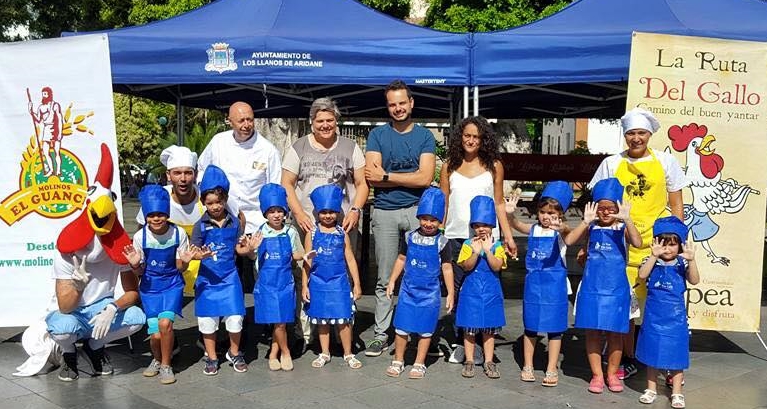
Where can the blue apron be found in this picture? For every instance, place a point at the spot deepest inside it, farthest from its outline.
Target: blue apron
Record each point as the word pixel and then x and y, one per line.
pixel 328 280
pixel 664 339
pixel 481 298
pixel 274 294
pixel 544 306
pixel 604 297
pixel 218 291
pixel 162 287
pixel 419 295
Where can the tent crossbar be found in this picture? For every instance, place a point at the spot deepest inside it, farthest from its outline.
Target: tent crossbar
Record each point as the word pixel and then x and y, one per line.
pixel 148 87
pixel 357 92
pixel 427 95
pixel 503 92
pixel 277 91
pixel 560 92
pixel 609 86
pixel 213 92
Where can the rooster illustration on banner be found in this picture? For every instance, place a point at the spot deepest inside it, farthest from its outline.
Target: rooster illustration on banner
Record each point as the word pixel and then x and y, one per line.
pixel 712 193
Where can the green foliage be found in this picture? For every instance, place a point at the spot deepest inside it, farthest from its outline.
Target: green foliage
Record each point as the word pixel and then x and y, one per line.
pixel 138 133
pixel 581 148
pixel 396 8
pixel 488 15
pixel 145 11
pixel 13 14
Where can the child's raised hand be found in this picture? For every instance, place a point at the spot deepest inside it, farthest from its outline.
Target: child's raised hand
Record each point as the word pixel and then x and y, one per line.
pixel 305 294
pixel 487 244
pixel 357 292
pixel 255 240
pixel 186 254
pixel 555 223
pixel 511 203
pixel 449 303
pixel 656 247
pixel 624 211
pixel 590 212
pixel 476 245
pixel 688 251
pixel 203 252
pixel 133 255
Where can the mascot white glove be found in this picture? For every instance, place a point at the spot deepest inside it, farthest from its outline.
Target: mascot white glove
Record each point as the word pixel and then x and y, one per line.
pixel 80 277
pixel 102 321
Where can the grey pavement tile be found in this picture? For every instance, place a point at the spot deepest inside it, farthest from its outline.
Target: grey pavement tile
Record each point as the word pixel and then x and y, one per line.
pixel 343 403
pixel 10 389
pixel 736 360
pixel 289 395
pixel 196 395
pixel 507 399
pixel 82 392
pixel 746 389
pixel 344 382
pixel 390 395
pixel 440 403
pixel 125 402
pixel 27 402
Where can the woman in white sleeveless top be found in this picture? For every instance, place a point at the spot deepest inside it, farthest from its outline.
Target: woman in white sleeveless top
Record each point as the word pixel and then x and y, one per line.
pixel 472 168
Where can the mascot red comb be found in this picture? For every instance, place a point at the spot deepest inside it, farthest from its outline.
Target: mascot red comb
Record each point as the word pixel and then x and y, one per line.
pixel 86 268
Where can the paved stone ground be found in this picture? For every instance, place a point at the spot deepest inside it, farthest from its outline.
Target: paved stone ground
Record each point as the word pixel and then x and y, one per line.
pixel 728 370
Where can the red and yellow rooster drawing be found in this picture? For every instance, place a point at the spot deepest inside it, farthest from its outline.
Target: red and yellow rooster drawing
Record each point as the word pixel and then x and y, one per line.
pixel 710 194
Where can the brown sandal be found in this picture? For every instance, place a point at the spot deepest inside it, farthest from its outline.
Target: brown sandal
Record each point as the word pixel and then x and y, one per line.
pixel 551 379
pixel 527 374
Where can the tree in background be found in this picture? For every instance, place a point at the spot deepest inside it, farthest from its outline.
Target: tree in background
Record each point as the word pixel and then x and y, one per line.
pixel 488 15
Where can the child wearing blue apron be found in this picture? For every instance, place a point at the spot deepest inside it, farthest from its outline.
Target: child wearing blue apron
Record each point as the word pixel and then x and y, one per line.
pixel 604 295
pixel 544 303
pixel 158 256
pixel 325 285
pixel 216 238
pixel 274 294
pixel 480 300
pixel 423 257
pixel 664 339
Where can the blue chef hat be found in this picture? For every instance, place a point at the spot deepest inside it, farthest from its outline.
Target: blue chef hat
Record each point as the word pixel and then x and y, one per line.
pixel 670 224
pixel 212 178
pixel 327 197
pixel 608 189
pixel 432 203
pixel 273 195
pixel 482 211
pixel 560 191
pixel 154 199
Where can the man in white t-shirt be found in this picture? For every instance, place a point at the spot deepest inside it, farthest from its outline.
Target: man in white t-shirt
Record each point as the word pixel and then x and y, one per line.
pixel 249 161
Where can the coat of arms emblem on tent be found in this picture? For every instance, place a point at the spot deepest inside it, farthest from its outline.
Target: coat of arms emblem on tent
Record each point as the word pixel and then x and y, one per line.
pixel 220 58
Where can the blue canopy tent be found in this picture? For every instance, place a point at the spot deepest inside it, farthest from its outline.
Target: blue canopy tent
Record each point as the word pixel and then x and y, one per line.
pixel 281 54
pixel 576 62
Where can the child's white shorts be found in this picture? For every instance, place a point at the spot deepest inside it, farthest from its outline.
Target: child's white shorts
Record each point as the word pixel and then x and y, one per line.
pixel 209 325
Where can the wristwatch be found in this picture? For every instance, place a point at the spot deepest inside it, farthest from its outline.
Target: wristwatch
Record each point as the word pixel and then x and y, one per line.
pixel 385 177
pixel 356 209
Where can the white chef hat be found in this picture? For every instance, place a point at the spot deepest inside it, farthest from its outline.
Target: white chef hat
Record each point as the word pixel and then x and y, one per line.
pixel 178 156
pixel 639 118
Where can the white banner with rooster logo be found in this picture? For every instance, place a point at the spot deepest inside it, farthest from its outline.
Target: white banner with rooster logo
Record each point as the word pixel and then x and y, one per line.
pixel 710 96
pixel 56 112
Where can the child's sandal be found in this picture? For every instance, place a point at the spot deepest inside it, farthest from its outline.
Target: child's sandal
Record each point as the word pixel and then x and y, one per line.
pixel 321 360
pixel 527 374
pixel 418 371
pixel 352 361
pixel 677 401
pixel 648 396
pixel 395 369
pixel 551 379
pixel 491 370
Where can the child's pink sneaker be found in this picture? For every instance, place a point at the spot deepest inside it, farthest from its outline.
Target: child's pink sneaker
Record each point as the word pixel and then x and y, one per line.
pixel 597 384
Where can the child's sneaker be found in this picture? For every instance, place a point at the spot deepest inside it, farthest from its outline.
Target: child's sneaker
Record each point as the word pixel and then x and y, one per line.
pixel 238 362
pixel 153 369
pixel 376 347
pixel 629 368
pixel 211 367
pixel 621 372
pixel 166 375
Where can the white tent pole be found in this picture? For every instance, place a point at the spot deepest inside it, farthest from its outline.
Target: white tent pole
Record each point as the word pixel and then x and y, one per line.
pixel 465 102
pixel 476 100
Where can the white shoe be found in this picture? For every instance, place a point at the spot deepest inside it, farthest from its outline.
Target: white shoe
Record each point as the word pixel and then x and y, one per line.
pixel 458 355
